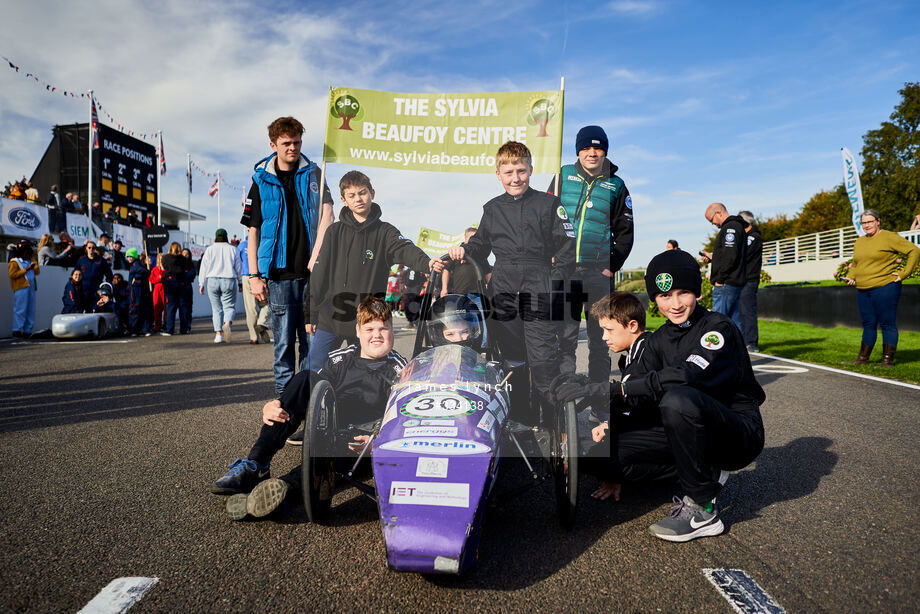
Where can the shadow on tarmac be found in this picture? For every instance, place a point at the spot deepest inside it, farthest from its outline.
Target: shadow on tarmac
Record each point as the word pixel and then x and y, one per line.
pixel 781 474
pixel 85 394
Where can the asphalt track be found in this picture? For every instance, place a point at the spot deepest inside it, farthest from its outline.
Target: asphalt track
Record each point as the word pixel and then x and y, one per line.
pixel 109 448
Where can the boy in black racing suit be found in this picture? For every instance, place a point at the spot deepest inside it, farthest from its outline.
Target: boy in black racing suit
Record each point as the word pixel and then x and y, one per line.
pixel 361 377
pixel 697 372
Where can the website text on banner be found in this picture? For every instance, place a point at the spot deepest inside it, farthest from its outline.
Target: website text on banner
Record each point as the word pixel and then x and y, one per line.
pixel 454 133
pixel 435 243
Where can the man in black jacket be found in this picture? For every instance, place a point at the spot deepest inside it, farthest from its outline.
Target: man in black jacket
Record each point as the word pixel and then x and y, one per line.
pixel 696 372
pixel 358 251
pixel 729 266
pixel 747 307
pixel 361 376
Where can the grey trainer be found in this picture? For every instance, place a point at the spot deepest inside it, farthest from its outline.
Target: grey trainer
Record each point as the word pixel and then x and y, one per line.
pixel 687 521
pixel 266 497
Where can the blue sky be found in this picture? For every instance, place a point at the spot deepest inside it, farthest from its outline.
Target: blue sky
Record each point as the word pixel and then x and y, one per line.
pixel 744 103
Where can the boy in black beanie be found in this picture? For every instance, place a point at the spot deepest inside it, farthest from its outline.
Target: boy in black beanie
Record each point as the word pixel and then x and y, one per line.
pixel 696 371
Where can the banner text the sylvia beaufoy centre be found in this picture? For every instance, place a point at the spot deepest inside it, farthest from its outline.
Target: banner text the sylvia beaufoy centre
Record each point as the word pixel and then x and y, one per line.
pixel 441 132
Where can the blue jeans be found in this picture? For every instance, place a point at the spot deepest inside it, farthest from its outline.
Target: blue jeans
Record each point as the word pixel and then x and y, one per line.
pixel 286 299
pixel 222 294
pixel 24 310
pixel 323 343
pixel 747 310
pixel 879 307
pixel 727 300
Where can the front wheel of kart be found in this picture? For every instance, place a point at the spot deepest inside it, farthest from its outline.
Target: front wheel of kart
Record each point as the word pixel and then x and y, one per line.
pixel 565 464
pixel 318 481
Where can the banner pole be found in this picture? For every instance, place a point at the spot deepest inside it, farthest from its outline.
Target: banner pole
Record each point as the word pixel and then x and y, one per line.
pixel 89 170
pixel 218 198
pixel 322 172
pixel 188 225
pixel 159 166
pixel 561 126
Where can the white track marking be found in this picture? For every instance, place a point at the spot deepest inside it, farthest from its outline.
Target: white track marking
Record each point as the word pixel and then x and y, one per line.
pixel 741 592
pixel 784 369
pixel 119 595
pixel 72 342
pixel 840 371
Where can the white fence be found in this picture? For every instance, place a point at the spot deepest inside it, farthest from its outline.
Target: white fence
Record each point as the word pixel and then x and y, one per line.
pixel 830 244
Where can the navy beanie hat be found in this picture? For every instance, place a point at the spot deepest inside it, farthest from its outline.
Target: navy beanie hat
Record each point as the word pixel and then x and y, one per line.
pixel 673 269
pixel 591 136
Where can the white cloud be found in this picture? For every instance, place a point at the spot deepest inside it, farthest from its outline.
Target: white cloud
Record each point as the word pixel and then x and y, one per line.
pixel 634 7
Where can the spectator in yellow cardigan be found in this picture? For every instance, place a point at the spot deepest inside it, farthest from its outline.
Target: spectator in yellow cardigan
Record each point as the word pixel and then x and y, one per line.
pixel 875 274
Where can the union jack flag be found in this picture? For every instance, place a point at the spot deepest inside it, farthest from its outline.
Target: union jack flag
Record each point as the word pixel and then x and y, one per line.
pixel 162 153
pixel 95 124
pixel 213 189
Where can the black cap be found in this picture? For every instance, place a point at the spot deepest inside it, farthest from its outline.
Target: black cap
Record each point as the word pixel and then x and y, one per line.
pixel 673 269
pixel 591 136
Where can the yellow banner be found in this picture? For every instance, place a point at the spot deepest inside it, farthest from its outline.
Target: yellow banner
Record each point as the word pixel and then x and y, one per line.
pixel 455 133
pixel 436 243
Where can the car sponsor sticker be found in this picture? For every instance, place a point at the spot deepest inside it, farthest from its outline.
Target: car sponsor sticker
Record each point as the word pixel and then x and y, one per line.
pixel 698 360
pixel 433 431
pixel 431 467
pixel 436 445
pixel 713 340
pixel 446 564
pixel 486 422
pixel 389 415
pixel 436 422
pixel 437 404
pixel 440 494
pixel 410 422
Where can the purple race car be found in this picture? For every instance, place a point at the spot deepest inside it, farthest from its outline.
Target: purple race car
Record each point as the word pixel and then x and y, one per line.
pixel 436 451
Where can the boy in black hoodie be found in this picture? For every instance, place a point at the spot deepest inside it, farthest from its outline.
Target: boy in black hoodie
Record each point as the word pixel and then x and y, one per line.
pixel 358 251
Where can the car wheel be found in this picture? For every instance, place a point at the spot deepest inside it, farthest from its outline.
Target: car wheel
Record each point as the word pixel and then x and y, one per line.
pixel 318 481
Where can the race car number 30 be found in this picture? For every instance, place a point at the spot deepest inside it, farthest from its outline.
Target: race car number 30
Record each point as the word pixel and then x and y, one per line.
pixel 437 405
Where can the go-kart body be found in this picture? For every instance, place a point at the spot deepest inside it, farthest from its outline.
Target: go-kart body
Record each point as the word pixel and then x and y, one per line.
pixel 77 325
pixel 436 457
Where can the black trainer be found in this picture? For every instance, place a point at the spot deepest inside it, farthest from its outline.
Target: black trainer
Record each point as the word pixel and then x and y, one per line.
pixel 242 477
pixel 296 439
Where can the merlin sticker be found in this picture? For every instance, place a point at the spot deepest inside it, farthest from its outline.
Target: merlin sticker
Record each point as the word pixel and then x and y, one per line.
pixel 664 281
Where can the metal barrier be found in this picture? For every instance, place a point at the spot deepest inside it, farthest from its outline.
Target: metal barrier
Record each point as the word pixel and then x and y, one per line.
pixel 830 244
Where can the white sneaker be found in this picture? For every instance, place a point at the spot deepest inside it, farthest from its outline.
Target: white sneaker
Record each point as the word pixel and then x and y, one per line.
pixel 226 329
pixel 218 338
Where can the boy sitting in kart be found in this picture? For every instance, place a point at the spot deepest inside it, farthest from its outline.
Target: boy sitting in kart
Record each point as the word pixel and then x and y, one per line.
pixel 361 376
pixel 696 371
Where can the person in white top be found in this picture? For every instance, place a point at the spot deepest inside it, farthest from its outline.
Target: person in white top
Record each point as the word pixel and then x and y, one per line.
pixel 220 271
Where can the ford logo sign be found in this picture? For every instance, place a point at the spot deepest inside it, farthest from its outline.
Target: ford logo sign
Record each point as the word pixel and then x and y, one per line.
pixel 23 218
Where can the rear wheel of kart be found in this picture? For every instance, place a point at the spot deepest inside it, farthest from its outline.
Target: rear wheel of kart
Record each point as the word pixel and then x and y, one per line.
pixel 565 464
pixel 100 328
pixel 318 481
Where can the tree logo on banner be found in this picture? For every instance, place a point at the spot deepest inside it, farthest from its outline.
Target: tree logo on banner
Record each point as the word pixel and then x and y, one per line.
pixel 541 112
pixel 346 107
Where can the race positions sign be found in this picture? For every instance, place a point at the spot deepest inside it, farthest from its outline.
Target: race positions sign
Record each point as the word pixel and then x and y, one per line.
pixel 127 170
pixel 457 133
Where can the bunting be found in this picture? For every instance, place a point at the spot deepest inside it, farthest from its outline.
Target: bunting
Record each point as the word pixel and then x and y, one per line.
pixel 223 181
pixel 214 188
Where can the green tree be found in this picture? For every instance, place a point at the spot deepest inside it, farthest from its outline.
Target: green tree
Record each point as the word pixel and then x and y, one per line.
pixel 891 163
pixel 825 210
pixel 541 112
pixel 345 107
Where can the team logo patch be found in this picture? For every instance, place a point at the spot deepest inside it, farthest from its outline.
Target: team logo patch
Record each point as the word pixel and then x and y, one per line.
pixel 314 187
pixel 629 202
pixel 750 240
pixel 729 235
pixel 368 254
pixel 713 340
pixel 560 211
pixel 664 281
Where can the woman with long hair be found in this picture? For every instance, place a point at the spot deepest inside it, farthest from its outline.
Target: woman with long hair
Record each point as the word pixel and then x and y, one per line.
pixel 159 295
pixel 174 268
pixel 23 269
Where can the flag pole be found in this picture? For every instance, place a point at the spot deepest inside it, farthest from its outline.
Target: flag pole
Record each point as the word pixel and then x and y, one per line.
pixel 561 126
pixel 89 173
pixel 322 172
pixel 158 170
pixel 218 198
pixel 188 226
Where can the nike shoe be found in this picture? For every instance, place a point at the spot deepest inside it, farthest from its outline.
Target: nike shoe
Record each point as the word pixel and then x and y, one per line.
pixel 242 477
pixel 296 439
pixel 688 520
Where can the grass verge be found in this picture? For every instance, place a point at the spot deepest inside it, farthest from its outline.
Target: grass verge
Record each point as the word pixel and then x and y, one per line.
pixel 832 346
